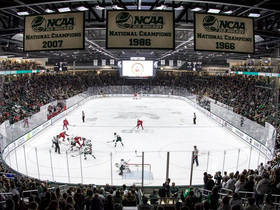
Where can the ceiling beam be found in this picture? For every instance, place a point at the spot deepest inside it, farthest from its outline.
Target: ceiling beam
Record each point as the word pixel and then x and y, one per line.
pixel 93 12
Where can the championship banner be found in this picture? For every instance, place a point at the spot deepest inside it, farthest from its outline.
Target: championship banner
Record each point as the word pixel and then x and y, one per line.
pixel 140 30
pixel 65 31
pixel 223 33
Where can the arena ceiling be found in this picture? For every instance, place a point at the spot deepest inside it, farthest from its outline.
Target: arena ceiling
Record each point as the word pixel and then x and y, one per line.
pixel 267 28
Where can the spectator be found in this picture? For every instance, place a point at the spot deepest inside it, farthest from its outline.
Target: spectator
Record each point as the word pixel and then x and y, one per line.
pixel 268 205
pixel 225 204
pixel 261 189
pixel 79 198
pixel 249 186
pixel 230 185
pixel 33 206
pixel 251 204
pixel 145 205
pixel 153 197
pixel 218 179
pixel 210 182
pixel 225 178
pixel 96 203
pixel 54 205
pixel 213 198
pixel 174 191
pixel 10 205
pixel 70 200
pixel 162 193
pixel 239 184
pixel 117 198
pixel 109 204
pixel 236 200
pixel 129 200
pixel 88 199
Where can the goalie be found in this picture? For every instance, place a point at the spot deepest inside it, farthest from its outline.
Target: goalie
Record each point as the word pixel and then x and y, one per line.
pixel 122 167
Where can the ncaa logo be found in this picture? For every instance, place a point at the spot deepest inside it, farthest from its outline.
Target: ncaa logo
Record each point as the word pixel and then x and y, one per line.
pixel 210 23
pixel 38 24
pixel 124 20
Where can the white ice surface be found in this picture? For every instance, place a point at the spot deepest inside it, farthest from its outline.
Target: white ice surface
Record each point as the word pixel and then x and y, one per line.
pixel 167 127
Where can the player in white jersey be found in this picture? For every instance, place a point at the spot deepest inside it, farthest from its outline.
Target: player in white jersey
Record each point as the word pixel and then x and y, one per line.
pixel 88 149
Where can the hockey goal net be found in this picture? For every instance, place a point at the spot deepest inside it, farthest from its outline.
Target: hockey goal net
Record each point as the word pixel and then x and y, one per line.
pixel 134 171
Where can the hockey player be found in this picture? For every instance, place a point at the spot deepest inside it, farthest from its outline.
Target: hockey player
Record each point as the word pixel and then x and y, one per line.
pixel 88 149
pixel 65 124
pixel 135 96
pixel 62 135
pixel 25 123
pixel 139 123
pixel 117 139
pixel 122 166
pixel 73 143
pixel 241 121
pixel 78 140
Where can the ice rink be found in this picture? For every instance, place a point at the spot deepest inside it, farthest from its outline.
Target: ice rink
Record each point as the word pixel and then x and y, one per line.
pixel 168 126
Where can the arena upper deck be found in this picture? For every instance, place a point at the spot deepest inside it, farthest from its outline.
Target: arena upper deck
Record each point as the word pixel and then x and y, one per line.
pixel 266 28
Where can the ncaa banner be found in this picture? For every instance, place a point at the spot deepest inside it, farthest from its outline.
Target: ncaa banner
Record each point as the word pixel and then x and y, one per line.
pixel 140 30
pixel 65 31
pixel 223 33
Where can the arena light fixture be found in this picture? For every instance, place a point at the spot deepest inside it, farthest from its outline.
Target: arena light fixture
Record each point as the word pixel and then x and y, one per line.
pixel 213 10
pixel 116 7
pixel 179 8
pixel 99 7
pixel 254 14
pixel 161 7
pixel 49 10
pixel 228 12
pixel 64 9
pixel 82 8
pixel 196 9
pixel 23 13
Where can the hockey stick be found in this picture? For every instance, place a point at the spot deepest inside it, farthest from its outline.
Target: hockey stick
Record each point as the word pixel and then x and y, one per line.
pixel 72 125
pixel 134 128
pixel 93 156
pixel 77 154
pixel 62 142
pixel 110 141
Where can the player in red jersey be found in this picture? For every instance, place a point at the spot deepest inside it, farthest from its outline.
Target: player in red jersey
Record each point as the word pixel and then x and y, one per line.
pixel 78 139
pixel 65 124
pixel 26 123
pixel 135 96
pixel 139 123
pixel 62 135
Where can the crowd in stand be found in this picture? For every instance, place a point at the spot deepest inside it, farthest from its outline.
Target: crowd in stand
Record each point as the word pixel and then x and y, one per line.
pixel 266 69
pixel 24 97
pixel 20 65
pixel 249 190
